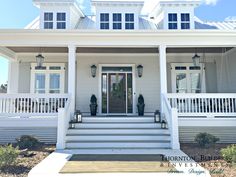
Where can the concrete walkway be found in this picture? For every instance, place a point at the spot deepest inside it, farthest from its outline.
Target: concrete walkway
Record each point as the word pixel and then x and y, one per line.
pixel 52 165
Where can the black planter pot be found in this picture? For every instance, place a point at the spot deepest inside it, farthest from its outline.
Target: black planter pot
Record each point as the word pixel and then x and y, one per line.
pixel 93 109
pixel 141 109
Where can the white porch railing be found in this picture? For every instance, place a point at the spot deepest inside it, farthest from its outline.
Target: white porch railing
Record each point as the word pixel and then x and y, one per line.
pixel 171 116
pixel 31 104
pixel 64 117
pixel 204 105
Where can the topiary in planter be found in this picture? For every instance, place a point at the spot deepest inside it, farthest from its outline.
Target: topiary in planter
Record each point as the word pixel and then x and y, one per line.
pixel 205 140
pixel 141 105
pixel 93 105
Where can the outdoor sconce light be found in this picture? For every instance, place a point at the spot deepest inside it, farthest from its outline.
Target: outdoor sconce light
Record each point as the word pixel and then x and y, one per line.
pixel 93 70
pixel 196 60
pixel 164 124
pixel 140 70
pixel 157 116
pixel 78 117
pixel 72 124
pixel 39 60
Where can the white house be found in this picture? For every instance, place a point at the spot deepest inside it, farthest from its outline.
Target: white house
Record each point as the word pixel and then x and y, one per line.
pixel 182 66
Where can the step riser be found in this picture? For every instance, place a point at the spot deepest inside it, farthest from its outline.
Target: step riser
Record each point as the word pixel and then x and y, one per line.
pixel 116 138
pixel 117 145
pixel 117 125
pixel 118 151
pixel 113 120
pixel 118 131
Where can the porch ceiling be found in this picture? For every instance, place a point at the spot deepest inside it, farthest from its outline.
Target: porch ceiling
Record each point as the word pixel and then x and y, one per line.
pixel 118 50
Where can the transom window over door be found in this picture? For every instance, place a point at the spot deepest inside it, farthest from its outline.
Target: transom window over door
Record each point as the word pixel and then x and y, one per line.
pixel 187 78
pixel 48 79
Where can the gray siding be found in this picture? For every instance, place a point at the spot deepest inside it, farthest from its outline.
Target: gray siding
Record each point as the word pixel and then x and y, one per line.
pixel 226 134
pixel 44 134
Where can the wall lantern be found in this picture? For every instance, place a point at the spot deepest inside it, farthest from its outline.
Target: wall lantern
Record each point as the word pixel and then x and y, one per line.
pixel 140 70
pixel 164 124
pixel 72 124
pixel 39 60
pixel 157 116
pixel 196 60
pixel 78 116
pixel 93 70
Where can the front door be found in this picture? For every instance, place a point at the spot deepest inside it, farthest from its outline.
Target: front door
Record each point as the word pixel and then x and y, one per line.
pixel 117 90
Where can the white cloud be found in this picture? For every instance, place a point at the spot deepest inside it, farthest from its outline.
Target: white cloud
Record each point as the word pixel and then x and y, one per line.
pixel 210 2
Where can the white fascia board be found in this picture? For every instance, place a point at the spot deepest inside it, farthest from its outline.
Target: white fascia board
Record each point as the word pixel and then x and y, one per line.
pixel 74 3
pixel 7 53
pixel 172 3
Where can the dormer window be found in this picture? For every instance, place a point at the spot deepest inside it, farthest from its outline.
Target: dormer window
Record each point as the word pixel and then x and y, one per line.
pixel 117 21
pixel 48 20
pixel 172 21
pixel 104 21
pixel 129 21
pixel 61 20
pixel 185 21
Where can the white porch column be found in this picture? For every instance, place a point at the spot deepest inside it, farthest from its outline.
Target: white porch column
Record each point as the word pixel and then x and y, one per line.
pixel 13 76
pixel 163 73
pixel 72 74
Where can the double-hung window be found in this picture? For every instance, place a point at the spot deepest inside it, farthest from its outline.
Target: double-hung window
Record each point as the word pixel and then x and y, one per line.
pixel 185 21
pixel 48 20
pixel 187 78
pixel 117 21
pixel 61 20
pixel 172 21
pixel 47 79
pixel 104 21
pixel 129 21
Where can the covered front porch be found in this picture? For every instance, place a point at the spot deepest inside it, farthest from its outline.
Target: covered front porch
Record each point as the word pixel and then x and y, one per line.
pixel 170 82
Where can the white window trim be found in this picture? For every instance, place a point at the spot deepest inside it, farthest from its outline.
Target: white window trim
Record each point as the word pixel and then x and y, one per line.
pixel 185 22
pixel 47 72
pixel 61 21
pixel 54 18
pixel 174 72
pixel 48 21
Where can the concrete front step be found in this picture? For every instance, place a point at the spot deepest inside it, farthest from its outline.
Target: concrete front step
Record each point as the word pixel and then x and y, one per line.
pixel 117 137
pixel 117 150
pixel 120 144
pixel 118 119
pixel 118 131
pixel 118 125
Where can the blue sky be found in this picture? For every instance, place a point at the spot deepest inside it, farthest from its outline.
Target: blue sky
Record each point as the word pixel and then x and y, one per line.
pixel 19 13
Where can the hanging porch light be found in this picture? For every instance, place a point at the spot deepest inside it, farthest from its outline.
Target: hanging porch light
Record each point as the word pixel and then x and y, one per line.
pixel 196 59
pixel 39 60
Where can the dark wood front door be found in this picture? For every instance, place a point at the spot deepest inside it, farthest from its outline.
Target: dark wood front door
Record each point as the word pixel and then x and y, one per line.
pixel 117 92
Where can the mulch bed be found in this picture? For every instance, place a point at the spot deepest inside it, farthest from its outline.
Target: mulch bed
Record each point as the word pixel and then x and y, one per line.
pixel 25 164
pixel 211 158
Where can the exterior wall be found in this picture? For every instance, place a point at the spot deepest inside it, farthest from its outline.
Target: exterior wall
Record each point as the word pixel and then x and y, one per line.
pixel 24 77
pixel 45 129
pixel 148 84
pixel 226 72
